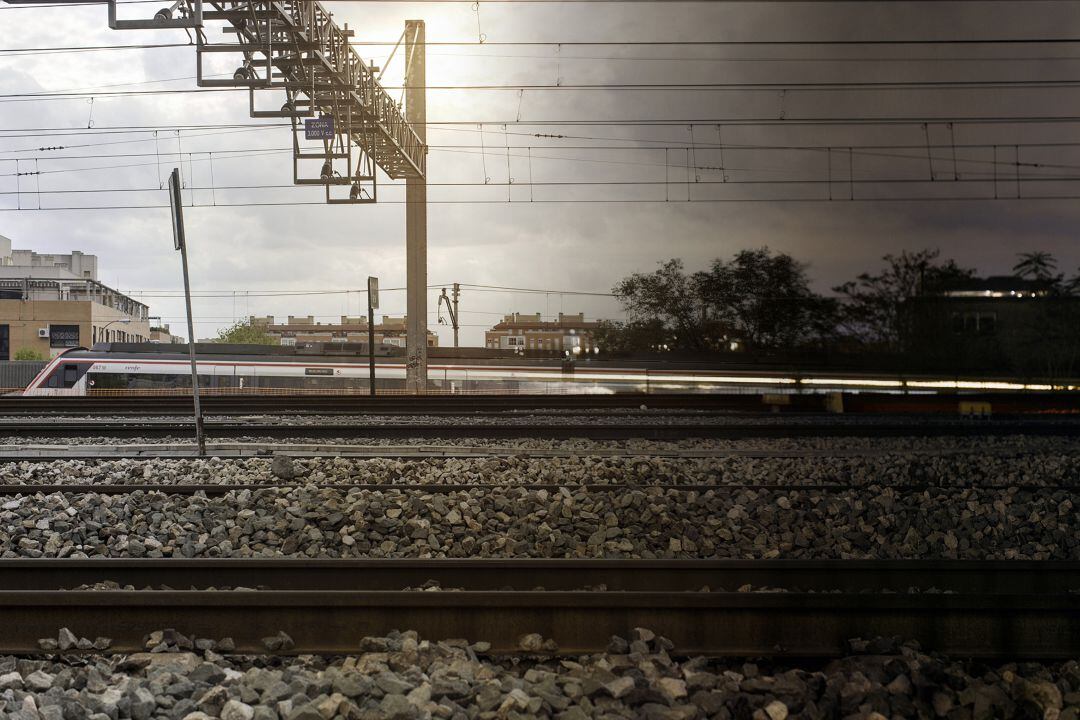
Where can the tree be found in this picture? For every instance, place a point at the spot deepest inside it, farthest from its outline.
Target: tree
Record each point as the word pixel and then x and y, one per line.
pixel 759 298
pixel 764 300
pixel 871 313
pixel 1037 265
pixel 27 354
pixel 669 297
pixel 614 338
pixel 245 332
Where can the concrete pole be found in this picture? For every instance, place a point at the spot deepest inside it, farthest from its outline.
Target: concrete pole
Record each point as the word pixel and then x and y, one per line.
pixel 416 215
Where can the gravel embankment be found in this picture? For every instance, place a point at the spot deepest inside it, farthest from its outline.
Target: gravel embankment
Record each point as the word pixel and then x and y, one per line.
pixel 616 416
pixel 961 469
pixel 308 521
pixel 599 417
pixel 1008 444
pixel 402 677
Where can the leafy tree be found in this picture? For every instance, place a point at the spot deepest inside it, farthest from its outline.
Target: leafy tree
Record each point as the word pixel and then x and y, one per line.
pixel 760 298
pixel 764 300
pixel 244 332
pixel 614 338
pixel 1048 345
pixel 871 313
pixel 27 354
pixel 1037 265
pixel 1072 285
pixel 668 297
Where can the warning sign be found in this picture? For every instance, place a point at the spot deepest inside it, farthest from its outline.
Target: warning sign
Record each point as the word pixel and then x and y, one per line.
pixel 321 128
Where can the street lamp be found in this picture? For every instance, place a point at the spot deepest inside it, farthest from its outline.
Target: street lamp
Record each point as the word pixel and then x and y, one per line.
pixel 122 321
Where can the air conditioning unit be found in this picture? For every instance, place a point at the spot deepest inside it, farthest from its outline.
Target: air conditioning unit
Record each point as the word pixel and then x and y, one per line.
pixel 43 332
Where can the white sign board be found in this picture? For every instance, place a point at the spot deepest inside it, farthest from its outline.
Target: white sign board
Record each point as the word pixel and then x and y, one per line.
pixel 176 204
pixel 373 293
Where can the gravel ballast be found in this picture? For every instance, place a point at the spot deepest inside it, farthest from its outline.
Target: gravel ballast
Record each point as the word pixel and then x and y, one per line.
pixel 403 677
pixel 309 521
pixel 962 468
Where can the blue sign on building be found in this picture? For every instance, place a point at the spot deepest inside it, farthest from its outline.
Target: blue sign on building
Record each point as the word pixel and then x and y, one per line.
pixel 321 128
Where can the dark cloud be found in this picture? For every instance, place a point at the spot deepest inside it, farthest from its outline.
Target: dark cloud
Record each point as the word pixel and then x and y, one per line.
pixel 586 246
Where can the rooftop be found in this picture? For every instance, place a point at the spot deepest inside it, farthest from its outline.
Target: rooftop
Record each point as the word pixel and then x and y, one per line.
pixel 996 286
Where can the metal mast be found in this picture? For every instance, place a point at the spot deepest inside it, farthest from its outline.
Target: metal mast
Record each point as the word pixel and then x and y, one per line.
pixel 345 124
pixel 416 215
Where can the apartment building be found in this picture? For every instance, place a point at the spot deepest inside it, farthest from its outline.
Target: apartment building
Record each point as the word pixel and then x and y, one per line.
pixel 519 331
pixel 44 316
pixel 305 329
pixel 75 265
pixel 52 302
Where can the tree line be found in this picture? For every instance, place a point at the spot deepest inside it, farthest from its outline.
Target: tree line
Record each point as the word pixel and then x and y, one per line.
pixel 760 302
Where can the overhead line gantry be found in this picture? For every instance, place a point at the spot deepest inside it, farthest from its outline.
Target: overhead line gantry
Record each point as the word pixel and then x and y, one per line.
pixel 345 125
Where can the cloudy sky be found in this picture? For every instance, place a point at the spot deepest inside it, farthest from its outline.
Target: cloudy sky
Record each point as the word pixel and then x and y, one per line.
pixel 503 213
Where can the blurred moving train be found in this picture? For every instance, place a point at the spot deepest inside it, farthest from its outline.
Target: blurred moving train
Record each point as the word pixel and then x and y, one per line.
pixel 136 368
pixel 338 369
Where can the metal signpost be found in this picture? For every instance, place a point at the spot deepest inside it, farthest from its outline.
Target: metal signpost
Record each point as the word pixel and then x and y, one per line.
pixel 372 303
pixel 180 244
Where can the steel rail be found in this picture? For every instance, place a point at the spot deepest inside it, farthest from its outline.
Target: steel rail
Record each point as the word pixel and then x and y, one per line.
pixel 1014 609
pixel 860 403
pixel 426 453
pixel 410 430
pixel 384 405
pixel 959 576
pixel 221 489
pixel 569 413
pixel 553 431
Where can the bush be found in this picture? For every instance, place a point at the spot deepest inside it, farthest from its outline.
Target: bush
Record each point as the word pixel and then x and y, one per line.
pixel 27 354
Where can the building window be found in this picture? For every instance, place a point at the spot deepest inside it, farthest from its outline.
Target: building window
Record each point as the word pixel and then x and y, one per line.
pixel 63 336
pixel 973 323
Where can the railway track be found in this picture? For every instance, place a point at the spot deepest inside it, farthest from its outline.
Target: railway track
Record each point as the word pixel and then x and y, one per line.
pixel 220 489
pixel 387 405
pixel 611 431
pixel 1012 609
pixel 419 453
pixel 945 401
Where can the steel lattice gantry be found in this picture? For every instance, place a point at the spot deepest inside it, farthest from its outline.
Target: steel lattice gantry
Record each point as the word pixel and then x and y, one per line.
pixel 294 49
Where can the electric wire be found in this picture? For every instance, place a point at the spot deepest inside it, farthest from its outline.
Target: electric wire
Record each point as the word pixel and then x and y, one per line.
pixel 853 86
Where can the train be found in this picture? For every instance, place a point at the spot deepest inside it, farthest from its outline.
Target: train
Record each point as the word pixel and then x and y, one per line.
pixel 137 368
pixel 341 369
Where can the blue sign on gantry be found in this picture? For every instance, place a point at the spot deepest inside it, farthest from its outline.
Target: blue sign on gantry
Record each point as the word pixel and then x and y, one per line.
pixel 321 128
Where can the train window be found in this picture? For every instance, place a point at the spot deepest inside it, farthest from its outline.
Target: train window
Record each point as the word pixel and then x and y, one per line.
pixel 144 381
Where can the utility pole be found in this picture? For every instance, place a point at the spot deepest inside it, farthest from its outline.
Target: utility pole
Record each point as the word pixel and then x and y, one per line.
pixel 457 293
pixel 372 303
pixel 180 243
pixel 416 215
pixel 451 308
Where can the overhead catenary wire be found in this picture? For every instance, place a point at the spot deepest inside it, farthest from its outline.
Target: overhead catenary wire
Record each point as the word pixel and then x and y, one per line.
pixel 981 178
pixel 61 50
pixel 807 199
pixel 439 124
pixel 852 86
pixel 875 150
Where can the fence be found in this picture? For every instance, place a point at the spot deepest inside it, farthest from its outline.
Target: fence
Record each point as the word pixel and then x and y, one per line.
pixel 16 375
